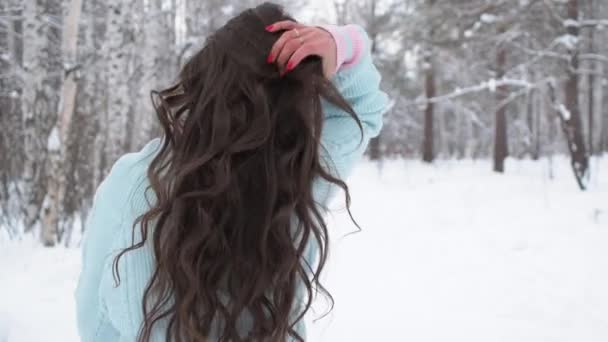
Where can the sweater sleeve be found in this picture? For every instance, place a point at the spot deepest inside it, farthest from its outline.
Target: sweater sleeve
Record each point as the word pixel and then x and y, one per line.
pixel 107 312
pixel 358 80
pixel 122 301
pixel 350 44
pixel 103 223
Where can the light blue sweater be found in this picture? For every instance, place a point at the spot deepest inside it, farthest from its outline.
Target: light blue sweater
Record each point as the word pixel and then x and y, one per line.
pixel 107 313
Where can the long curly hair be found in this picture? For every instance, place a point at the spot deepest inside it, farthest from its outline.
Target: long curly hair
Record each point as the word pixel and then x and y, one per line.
pixel 235 215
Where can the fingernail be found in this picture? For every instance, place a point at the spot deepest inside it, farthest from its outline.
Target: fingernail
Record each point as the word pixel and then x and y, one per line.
pixel 290 66
pixel 269 28
pixel 270 59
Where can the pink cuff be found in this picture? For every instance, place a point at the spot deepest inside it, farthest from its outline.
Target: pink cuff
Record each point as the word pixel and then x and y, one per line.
pixel 349 44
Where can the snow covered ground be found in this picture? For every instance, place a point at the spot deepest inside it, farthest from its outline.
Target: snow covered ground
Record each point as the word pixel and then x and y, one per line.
pixel 450 252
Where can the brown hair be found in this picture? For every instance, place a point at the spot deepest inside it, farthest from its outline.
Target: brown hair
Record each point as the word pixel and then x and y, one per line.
pixel 234 212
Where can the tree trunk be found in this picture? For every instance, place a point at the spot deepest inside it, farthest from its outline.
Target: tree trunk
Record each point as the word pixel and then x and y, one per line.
pixel 96 88
pixel 428 152
pixel 571 118
pixel 57 145
pixel 591 87
pixel 155 26
pixel 538 111
pixel 374 145
pixel 118 90
pixel 543 119
pixel 602 129
pixel 590 110
pixel 35 105
pixel 532 121
pixel 500 134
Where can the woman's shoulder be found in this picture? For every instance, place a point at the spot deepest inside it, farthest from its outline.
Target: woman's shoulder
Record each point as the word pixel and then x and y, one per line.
pixel 125 188
pixel 134 165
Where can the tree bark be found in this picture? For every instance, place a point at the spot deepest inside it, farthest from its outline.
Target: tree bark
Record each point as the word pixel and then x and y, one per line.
pixel 35 105
pixel 428 152
pixel 591 87
pixel 58 154
pixel 602 129
pixel 538 111
pixel 118 90
pixel 374 145
pixel 571 120
pixel 532 122
pixel 500 135
pixel 590 111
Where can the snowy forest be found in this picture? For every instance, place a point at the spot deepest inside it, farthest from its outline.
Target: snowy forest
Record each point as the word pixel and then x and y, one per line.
pixel 488 185
pixel 469 79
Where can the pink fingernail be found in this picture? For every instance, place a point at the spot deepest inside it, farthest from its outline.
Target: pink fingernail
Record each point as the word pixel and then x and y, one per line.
pixel 270 59
pixel 269 28
pixel 290 66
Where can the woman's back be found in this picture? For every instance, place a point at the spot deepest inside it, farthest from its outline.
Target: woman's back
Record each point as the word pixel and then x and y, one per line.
pixel 211 233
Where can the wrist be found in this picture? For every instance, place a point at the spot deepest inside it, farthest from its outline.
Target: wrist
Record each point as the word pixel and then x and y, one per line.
pixel 340 43
pixel 350 42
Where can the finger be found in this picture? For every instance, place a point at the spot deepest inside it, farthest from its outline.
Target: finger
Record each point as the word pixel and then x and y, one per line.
pixel 278 46
pixel 290 47
pixel 283 25
pixel 283 39
pixel 310 48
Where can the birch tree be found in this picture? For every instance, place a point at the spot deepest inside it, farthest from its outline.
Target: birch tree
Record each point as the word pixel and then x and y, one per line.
pixel 34 104
pixel 116 53
pixel 58 138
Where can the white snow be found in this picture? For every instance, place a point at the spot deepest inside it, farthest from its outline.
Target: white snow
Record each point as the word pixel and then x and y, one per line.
pixel 492 85
pixel 36 287
pixel 564 112
pixel 54 143
pixel 449 252
pixel 567 40
pixel 488 18
pixel 571 23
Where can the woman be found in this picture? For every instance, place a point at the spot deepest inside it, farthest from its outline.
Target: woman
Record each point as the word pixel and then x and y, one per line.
pixel 215 231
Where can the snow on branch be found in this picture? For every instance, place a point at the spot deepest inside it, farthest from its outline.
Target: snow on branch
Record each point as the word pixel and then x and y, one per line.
pixel 587 23
pixel 568 41
pixel 592 23
pixel 547 52
pixel 489 85
pixel 571 23
pixel 564 112
pixel 488 18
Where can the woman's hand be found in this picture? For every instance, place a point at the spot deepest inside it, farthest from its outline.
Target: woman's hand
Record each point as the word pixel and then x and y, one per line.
pixel 300 41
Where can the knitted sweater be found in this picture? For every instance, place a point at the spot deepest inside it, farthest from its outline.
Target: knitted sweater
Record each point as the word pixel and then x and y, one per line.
pixel 106 312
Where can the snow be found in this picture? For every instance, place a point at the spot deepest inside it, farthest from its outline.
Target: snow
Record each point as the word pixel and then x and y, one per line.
pixel 571 23
pixel 36 286
pixel 564 112
pixel 488 18
pixel 492 85
pixel 448 252
pixel 53 142
pixel 567 40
